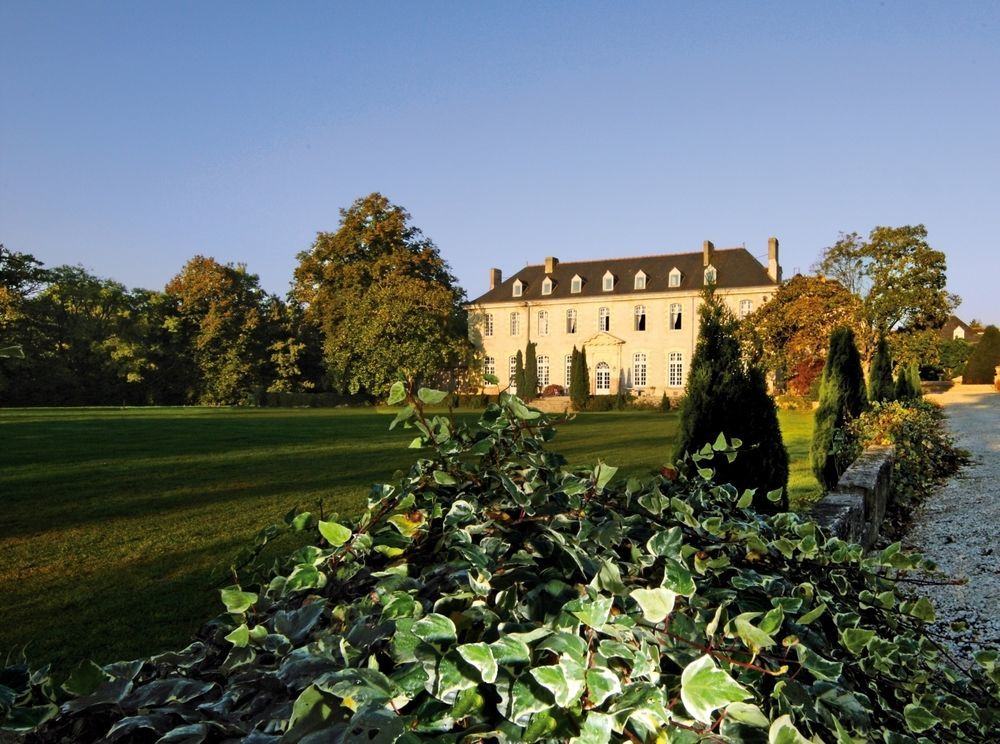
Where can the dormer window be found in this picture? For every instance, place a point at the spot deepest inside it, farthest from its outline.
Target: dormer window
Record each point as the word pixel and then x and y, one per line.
pixel 674 280
pixel 609 281
pixel 640 279
pixel 576 285
pixel 546 286
pixel 518 288
pixel 710 275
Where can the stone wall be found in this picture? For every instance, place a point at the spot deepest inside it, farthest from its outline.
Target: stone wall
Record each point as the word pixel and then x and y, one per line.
pixel 854 510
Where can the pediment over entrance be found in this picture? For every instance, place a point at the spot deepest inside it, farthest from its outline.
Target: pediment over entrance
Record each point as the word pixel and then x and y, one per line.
pixel 602 338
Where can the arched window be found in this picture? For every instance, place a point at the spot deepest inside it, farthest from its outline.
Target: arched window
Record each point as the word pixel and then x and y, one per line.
pixel 640 317
pixel 676 318
pixel 488 325
pixel 515 324
pixel 490 366
pixel 602 378
pixel 543 371
pixel 571 321
pixel 543 322
pixel 639 369
pixel 603 319
pixel 675 369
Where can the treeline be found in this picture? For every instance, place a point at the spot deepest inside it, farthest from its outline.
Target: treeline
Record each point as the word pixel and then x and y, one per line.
pixel 368 300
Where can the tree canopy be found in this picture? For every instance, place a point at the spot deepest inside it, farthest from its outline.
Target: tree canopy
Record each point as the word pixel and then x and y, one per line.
pixel 383 299
pixel 985 356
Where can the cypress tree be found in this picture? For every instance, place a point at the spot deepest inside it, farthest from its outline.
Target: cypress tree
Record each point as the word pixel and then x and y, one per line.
pixel 841 398
pixel 519 374
pixel 908 382
pixel 580 382
pixel 985 356
pixel 725 395
pixel 880 385
pixel 530 374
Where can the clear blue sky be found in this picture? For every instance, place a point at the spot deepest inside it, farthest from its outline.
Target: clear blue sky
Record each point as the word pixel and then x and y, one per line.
pixel 135 135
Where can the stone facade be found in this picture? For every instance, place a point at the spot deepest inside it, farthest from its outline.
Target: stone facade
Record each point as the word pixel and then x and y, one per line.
pixel 637 318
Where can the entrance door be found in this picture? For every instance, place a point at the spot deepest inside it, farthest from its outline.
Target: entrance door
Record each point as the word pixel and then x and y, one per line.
pixel 603 378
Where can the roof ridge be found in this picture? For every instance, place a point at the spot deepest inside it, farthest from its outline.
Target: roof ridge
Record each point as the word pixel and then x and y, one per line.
pixel 633 258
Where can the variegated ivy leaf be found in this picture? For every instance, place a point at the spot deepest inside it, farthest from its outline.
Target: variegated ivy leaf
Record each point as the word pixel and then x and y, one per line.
pixel 746 713
pixel 753 637
pixel 236 600
pixel 706 688
pixel 592 612
pixel 480 655
pixel 602 683
pixel 334 533
pixel 410 523
pixel 655 604
pixel 565 680
pixel 397 394
pixel 509 651
pixel 855 639
pixel 919 719
pixel 240 636
pixel 434 629
pixel 596 729
pixel 783 731
pixel 431 397
pixel 603 474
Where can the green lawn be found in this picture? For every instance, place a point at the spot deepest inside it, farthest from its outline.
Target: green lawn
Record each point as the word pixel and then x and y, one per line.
pixel 114 520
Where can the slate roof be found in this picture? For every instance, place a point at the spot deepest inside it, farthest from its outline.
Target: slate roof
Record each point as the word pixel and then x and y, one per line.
pixel 735 268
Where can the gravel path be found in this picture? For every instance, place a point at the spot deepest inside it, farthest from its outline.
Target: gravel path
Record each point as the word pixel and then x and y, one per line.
pixel 959 526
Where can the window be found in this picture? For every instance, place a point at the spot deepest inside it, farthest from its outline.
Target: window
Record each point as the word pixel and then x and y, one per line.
pixel 511 372
pixel 489 366
pixel 603 379
pixel 547 286
pixel 488 325
pixel 609 281
pixel 640 280
pixel 710 275
pixel 543 322
pixel 639 370
pixel 515 324
pixel 576 285
pixel 640 317
pixel 604 319
pixel 676 318
pixel 746 307
pixel 568 362
pixel 571 321
pixel 543 371
pixel 518 288
pixel 675 369
pixel 675 278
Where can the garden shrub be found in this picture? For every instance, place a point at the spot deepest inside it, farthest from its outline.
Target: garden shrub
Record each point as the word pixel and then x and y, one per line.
pixel 579 384
pixel 984 358
pixel 842 398
pixel 725 394
pixel 519 374
pixel 491 594
pixel 664 404
pixel 601 403
pixel 908 383
pixel 925 453
pixel 880 384
pixel 530 374
pixel 551 391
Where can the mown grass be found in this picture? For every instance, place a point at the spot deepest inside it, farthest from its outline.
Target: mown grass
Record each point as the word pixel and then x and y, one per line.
pixel 112 522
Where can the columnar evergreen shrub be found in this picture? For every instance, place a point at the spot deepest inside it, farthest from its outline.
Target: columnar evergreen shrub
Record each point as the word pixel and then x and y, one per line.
pixel 579 386
pixel 724 395
pixel 664 404
pixel 908 383
pixel 530 391
pixel 880 385
pixel 985 356
pixel 519 382
pixel 492 594
pixel 841 398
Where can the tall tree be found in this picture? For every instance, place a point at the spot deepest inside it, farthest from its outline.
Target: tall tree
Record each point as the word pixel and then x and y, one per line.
pixel 842 398
pixel 220 318
pixel 579 380
pixel 725 395
pixel 880 387
pixel 520 384
pixel 530 391
pixel 899 276
pixel 383 298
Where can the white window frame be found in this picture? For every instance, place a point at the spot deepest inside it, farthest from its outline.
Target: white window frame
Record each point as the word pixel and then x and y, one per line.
pixel 567 370
pixel 517 288
pixel 515 323
pixel 546 286
pixel 674 280
pixel 602 370
pixel 576 285
pixel 639 323
pixel 489 366
pixel 746 307
pixel 675 317
pixel 608 281
pixel 542 366
pixel 488 325
pixel 604 319
pixel 543 322
pixel 640 369
pixel 511 372
pixel 640 280
pixel 711 275
pixel 571 320
pixel 675 369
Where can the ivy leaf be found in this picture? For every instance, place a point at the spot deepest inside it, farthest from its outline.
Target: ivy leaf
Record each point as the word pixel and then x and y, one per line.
pixel 603 473
pixel 783 731
pixel 236 600
pixel 819 667
pixel 596 729
pixel 444 479
pixel 677 577
pixel 239 637
pixel 923 610
pixel 431 397
pixel 397 394
pixel 655 604
pixel 813 614
pixel 753 637
pixel 593 612
pixel 919 719
pixel 746 713
pixel 666 543
pixel 705 688
pixel 434 629
pixel 565 680
pixel 310 712
pixel 508 651
pixel 408 524
pixel 480 656
pixel 602 683
pixel 86 678
pixel 855 639
pixel 334 533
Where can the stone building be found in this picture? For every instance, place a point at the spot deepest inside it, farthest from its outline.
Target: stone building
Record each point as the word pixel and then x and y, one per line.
pixel 636 317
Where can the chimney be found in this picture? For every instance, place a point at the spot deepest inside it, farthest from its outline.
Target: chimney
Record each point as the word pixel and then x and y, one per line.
pixel 496 276
pixel 773 269
pixel 707 251
pixel 550 264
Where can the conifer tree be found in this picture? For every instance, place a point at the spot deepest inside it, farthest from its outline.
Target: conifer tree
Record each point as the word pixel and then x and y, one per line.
pixel 725 395
pixel 880 385
pixel 985 356
pixel 519 374
pixel 908 382
pixel 579 386
pixel 841 398
pixel 530 374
